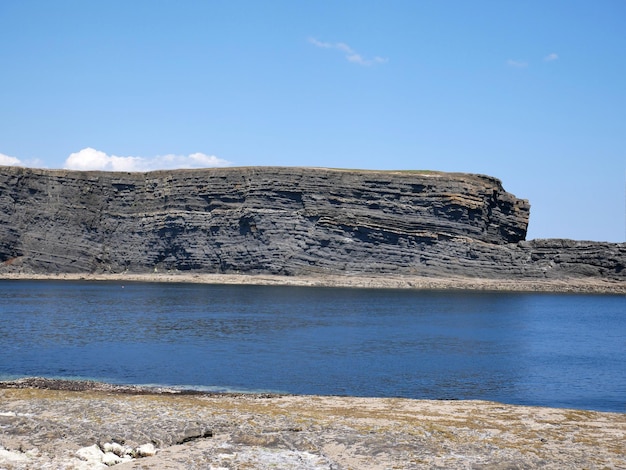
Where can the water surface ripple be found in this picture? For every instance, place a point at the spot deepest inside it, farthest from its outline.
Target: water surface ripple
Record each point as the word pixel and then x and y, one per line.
pixel 539 349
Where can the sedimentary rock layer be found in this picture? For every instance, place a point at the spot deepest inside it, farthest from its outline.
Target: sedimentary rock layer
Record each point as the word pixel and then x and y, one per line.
pixel 287 221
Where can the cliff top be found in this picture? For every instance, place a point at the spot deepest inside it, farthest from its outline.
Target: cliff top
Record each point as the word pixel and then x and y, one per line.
pixel 260 169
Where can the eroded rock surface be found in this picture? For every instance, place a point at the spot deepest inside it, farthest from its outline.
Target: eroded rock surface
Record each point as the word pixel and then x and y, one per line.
pixel 284 221
pixel 69 428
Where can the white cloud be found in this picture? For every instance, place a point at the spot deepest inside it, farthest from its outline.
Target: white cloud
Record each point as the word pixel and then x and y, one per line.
pixel 356 58
pixel 10 161
pixel 551 57
pixel 350 54
pixel 92 159
pixel 323 45
pixel 518 64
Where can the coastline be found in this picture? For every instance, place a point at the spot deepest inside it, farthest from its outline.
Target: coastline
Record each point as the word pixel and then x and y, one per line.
pixel 88 425
pixel 569 285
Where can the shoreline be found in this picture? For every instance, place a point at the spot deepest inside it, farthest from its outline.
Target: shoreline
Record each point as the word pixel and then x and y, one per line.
pixel 90 425
pixel 570 285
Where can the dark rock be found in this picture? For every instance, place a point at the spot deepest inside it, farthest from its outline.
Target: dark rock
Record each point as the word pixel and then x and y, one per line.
pixel 288 221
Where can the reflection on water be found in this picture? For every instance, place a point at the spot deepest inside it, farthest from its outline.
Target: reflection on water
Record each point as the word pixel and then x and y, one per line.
pixel 555 350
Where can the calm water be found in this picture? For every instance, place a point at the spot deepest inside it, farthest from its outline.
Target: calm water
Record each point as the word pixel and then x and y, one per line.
pixel 540 349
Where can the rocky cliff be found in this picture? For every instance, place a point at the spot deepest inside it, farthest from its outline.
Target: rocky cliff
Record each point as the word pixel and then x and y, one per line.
pixel 290 221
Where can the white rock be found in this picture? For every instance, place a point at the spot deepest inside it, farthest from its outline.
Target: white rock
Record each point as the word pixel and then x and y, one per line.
pixel 90 454
pixel 117 449
pixel 145 450
pixel 9 456
pixel 80 465
pixel 109 459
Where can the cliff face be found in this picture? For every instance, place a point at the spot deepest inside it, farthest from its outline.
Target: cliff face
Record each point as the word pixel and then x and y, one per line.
pixel 290 221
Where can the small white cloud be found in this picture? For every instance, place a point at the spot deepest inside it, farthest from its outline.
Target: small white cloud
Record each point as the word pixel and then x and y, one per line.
pixel 323 45
pixel 518 64
pixel 344 48
pixel 92 159
pixel 88 159
pixel 350 54
pixel 356 58
pixel 194 160
pixel 551 57
pixel 6 160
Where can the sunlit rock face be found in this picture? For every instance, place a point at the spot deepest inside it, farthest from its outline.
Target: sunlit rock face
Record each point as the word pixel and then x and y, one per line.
pixel 290 221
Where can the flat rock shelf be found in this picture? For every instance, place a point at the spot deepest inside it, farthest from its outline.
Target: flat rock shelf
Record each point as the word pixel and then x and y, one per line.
pixel 589 286
pixel 84 425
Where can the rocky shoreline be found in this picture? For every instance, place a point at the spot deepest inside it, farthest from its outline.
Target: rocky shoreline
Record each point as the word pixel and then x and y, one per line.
pixel 84 425
pixel 573 285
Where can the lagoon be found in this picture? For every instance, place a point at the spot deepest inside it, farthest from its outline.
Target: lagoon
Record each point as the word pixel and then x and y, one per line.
pixel 558 350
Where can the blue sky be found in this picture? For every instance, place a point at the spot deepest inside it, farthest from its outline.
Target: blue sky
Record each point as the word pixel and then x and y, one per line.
pixel 532 92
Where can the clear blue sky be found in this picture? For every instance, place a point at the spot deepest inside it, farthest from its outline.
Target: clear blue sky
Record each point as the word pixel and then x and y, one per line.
pixel 532 92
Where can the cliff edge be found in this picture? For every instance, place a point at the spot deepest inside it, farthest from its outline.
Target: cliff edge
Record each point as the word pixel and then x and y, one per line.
pixel 284 221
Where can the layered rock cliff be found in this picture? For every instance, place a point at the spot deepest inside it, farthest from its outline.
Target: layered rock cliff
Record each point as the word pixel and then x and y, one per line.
pixel 290 221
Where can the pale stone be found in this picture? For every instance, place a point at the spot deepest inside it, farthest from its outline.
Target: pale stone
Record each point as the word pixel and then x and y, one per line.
pixel 109 459
pixel 115 448
pixel 145 450
pixel 90 454
pixel 9 456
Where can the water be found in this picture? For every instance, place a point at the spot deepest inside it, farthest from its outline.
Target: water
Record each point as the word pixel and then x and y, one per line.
pixel 537 349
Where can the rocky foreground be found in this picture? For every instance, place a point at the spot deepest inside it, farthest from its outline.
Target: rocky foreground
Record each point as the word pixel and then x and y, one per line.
pixel 47 424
